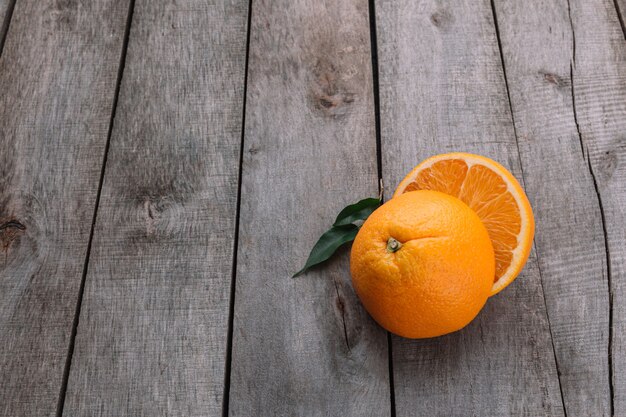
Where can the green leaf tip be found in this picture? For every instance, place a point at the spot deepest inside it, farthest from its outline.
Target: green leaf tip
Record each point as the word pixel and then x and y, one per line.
pixel 327 244
pixel 343 231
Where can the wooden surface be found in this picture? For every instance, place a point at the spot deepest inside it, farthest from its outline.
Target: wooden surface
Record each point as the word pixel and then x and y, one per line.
pixel 6 10
pixel 166 166
pixel 570 238
pixel 620 8
pixel 428 48
pixel 58 72
pixel 309 106
pixel 154 323
pixel 599 79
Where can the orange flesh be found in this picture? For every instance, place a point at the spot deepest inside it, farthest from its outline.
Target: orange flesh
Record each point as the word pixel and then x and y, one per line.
pixel 486 193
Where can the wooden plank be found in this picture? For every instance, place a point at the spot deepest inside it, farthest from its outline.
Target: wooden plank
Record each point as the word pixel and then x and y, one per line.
pixel 620 9
pixel 442 90
pixel 537 46
pixel 6 8
pixel 599 79
pixel 305 346
pixel 153 328
pixel 58 73
pixel 571 246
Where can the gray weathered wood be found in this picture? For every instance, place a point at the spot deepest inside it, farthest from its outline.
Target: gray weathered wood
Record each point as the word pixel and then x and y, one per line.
pixel 599 79
pixel 5 18
pixel 58 73
pixel 153 328
pixel 620 9
pixel 305 346
pixel 442 90
pixel 4 6
pixel 537 46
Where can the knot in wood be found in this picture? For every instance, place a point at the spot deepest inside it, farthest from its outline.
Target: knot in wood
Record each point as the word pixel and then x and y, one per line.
pixel 9 231
pixel 329 94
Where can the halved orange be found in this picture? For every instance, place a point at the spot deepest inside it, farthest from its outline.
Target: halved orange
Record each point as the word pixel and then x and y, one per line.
pixel 494 194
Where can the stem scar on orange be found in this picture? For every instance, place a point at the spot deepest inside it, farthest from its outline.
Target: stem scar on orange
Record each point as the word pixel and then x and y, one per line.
pixel 494 194
pixel 423 264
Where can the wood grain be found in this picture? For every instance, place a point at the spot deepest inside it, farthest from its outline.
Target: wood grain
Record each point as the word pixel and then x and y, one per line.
pixel 5 18
pixel 442 90
pixel 537 45
pixel 153 327
pixel 4 6
pixel 620 10
pixel 599 80
pixel 305 346
pixel 58 73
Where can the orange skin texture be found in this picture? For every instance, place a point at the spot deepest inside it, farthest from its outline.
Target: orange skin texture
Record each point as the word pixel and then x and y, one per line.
pixel 440 278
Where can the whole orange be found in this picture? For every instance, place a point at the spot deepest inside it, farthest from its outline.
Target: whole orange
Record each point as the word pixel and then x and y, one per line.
pixel 423 264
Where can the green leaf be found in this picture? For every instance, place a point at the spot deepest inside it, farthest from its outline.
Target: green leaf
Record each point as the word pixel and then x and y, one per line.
pixel 357 211
pixel 343 231
pixel 328 243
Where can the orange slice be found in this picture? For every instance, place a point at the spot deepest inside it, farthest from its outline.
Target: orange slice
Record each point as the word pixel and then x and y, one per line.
pixel 494 194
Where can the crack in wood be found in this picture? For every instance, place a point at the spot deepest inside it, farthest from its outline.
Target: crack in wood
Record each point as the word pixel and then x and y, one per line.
pixel 571 23
pixel 580 137
pixel 609 283
pixel 342 309
pixel 12 224
pixel 508 93
pixel 556 361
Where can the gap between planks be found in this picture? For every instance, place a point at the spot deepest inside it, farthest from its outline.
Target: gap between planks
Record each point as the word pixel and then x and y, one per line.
pixel 6 22
pixel 233 281
pixel 620 17
pixel 375 83
pixel 120 74
pixel 379 166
